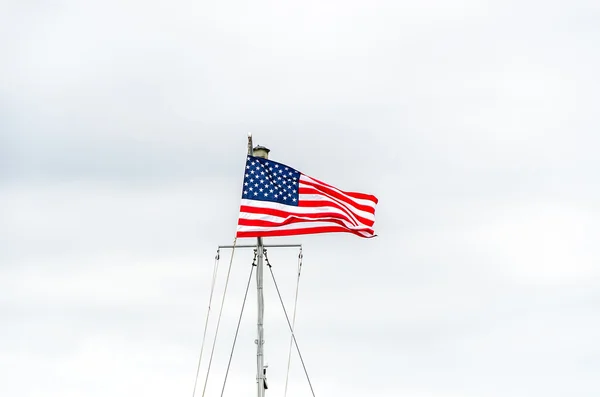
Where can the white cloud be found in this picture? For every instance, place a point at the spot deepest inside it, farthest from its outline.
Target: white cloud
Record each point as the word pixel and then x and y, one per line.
pixel 473 122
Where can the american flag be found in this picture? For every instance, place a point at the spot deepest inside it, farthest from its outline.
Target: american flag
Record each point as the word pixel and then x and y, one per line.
pixel 278 200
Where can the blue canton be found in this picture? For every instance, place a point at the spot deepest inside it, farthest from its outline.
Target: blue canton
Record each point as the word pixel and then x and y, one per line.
pixel 267 180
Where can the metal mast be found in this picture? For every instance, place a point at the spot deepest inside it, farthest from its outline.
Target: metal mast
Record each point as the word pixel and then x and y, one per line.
pixel 263 152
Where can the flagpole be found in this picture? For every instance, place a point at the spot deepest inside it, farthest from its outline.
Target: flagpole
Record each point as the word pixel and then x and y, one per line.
pixel 259 151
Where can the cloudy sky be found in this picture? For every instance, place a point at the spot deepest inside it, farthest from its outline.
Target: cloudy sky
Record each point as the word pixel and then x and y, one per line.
pixel 122 143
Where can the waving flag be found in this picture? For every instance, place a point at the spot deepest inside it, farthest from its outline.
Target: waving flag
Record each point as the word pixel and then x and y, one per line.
pixel 278 200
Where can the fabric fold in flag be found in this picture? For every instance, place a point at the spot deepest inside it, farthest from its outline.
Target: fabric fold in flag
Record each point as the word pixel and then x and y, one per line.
pixel 278 200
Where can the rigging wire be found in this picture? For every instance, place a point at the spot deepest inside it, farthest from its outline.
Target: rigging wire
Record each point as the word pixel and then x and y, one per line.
pixel 219 319
pixel 212 289
pixel 238 325
pixel 289 325
pixel 287 375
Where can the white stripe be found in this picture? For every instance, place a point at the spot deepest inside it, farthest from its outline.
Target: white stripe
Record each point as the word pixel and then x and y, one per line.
pixel 273 218
pixel 348 207
pixel 302 210
pixel 280 220
pixel 294 226
pixel 366 202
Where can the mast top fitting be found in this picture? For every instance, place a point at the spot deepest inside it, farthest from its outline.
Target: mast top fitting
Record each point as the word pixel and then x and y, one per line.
pixel 261 151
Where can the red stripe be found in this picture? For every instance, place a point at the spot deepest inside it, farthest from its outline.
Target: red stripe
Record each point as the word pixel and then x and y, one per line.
pixel 293 232
pixel 357 195
pixel 291 220
pixel 317 189
pixel 321 203
pixel 285 214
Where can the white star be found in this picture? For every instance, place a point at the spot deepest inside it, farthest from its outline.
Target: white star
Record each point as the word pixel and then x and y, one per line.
pixel 261 189
pixel 285 198
pixel 271 191
pixel 276 165
pixel 279 178
pixel 252 171
pixel 275 196
pixel 294 191
pixel 270 168
pixel 286 168
pixel 251 188
pixel 256 193
pixel 256 185
pixel 245 192
pixel 262 172
pixel 294 199
pixel 280 171
pixel 245 183
pixel 266 194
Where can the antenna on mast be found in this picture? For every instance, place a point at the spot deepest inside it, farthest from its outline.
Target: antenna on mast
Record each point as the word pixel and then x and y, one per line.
pixel 249 144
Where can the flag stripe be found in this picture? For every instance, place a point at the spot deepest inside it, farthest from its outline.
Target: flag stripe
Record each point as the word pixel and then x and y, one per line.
pixel 356 219
pixel 317 208
pixel 359 203
pixel 263 213
pixel 275 218
pixel 367 199
pixel 316 223
pixel 294 221
pixel 297 232
pixel 297 229
pixel 282 211
pixel 358 195
pixel 307 191
pixel 316 200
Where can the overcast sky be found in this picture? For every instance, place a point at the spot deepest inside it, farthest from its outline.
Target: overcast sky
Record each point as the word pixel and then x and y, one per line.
pixel 122 144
